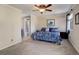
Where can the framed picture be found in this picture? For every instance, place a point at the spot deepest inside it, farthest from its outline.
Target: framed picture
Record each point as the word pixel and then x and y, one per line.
pixel 77 18
pixel 51 22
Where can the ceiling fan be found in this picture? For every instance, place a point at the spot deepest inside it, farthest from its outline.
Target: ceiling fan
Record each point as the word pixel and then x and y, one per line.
pixel 42 7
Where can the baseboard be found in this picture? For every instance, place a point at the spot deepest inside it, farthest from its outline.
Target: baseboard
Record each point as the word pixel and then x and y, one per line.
pixel 74 45
pixel 10 45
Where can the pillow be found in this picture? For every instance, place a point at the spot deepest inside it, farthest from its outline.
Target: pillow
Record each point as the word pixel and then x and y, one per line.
pixel 47 29
pixel 43 29
pixel 37 30
pixel 53 29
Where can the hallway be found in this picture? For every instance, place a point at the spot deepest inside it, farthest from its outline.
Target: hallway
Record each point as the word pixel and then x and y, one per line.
pixel 33 47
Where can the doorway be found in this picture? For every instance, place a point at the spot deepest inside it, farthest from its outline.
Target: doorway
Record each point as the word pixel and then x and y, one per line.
pixel 26 31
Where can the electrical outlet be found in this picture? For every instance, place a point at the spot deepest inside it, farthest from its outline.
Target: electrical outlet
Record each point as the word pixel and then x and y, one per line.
pixel 12 40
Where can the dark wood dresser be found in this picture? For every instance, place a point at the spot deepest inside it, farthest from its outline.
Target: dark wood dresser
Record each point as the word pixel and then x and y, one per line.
pixel 64 35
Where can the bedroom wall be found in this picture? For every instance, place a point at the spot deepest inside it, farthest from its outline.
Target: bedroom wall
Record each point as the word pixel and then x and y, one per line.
pixel 34 23
pixel 60 21
pixel 74 35
pixel 39 21
pixel 10 26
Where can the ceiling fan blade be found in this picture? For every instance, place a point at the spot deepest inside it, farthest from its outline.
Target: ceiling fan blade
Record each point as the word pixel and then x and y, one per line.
pixel 40 6
pixel 36 6
pixel 48 10
pixel 48 5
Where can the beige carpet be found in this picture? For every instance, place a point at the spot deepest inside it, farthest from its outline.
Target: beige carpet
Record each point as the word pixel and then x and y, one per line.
pixel 33 47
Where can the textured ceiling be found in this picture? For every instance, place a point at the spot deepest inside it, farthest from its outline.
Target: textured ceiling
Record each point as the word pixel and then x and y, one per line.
pixel 57 8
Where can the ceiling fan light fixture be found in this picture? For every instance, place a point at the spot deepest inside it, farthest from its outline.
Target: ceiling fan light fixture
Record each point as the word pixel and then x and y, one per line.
pixel 43 7
pixel 41 10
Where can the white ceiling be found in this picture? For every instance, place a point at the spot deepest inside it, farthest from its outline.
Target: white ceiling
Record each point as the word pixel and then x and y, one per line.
pixel 57 8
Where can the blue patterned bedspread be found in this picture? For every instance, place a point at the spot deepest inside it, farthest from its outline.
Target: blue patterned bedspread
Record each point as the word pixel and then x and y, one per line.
pixel 53 36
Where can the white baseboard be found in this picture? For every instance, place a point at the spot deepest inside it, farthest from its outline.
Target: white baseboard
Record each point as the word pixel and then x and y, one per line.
pixel 9 45
pixel 74 45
